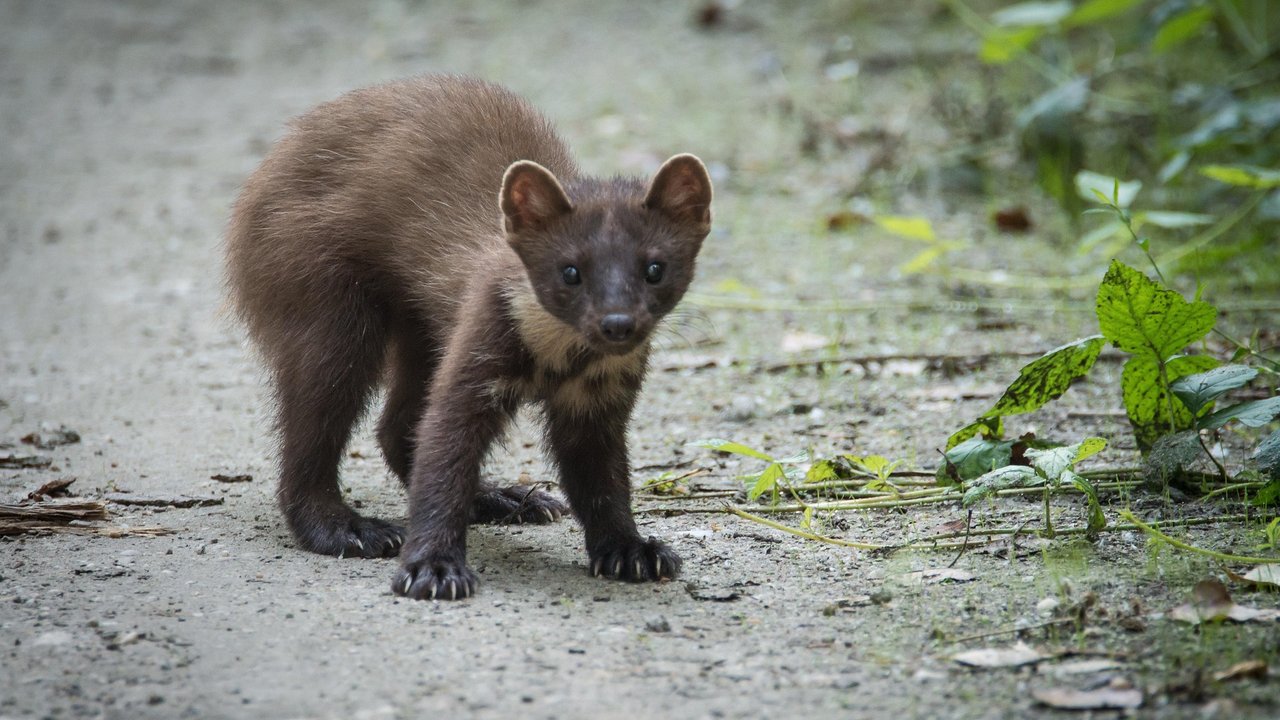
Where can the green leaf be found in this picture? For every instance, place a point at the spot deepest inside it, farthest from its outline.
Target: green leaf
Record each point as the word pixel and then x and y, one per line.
pixel 1268 494
pixel 1181 27
pixel 1196 391
pixel 823 471
pixel 1004 44
pixel 1047 377
pixel 1095 10
pixel 766 481
pixel 1254 413
pixel 1088 447
pixel 991 427
pixel 1154 411
pixel 1032 14
pixel 1097 520
pixel 1102 233
pixel 912 228
pixel 976 456
pixel 729 446
pixel 1040 381
pixel 1174 167
pixel 1142 317
pixel 1243 175
pixel 1170 220
pixel 928 256
pixel 1267 457
pixel 1097 187
pixel 878 465
pixel 1053 110
pixel 1002 478
pixel 1054 463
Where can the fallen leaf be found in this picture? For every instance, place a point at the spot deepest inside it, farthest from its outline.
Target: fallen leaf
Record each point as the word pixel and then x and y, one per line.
pixel 1014 219
pixel 1015 656
pixel 1105 698
pixel 709 15
pixel 1210 602
pixel 1021 546
pixel 1082 667
pixel 1249 669
pixel 935 576
pixel 1265 575
pixel 845 219
pixel 232 478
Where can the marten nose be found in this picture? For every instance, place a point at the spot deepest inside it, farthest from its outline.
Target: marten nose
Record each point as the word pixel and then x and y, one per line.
pixel 617 326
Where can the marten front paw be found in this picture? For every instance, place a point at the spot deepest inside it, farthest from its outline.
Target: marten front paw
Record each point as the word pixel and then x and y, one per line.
pixel 516 504
pixel 635 560
pixel 434 578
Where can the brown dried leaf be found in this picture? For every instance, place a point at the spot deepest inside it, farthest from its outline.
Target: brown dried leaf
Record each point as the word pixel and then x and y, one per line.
pixel 1013 219
pixel 844 220
pixel 232 478
pixel 1249 669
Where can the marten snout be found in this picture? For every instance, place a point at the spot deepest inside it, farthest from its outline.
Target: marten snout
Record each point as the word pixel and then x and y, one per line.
pixel 617 327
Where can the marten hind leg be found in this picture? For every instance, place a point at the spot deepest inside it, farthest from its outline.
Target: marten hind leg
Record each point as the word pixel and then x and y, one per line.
pixel 411 365
pixel 324 378
pixel 516 504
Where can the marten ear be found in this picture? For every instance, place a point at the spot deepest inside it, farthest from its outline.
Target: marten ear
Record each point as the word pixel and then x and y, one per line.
pixel 682 190
pixel 531 197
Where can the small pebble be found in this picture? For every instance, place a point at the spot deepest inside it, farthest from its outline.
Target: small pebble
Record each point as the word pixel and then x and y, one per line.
pixel 657 624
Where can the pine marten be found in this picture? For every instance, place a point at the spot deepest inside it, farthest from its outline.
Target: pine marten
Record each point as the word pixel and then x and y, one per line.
pixel 435 234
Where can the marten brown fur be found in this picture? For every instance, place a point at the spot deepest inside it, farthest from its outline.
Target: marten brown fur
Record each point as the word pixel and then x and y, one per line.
pixel 435 235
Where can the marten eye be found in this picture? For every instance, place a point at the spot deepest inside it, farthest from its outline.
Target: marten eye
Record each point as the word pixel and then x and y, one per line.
pixel 571 275
pixel 653 273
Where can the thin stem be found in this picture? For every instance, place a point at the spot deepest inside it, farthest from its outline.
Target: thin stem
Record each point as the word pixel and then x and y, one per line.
pixel 1222 471
pixel 808 535
pixel 1225 557
pixel 1048 521
pixel 1230 488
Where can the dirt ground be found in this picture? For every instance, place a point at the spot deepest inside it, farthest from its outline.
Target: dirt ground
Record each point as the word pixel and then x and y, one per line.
pixel 128 127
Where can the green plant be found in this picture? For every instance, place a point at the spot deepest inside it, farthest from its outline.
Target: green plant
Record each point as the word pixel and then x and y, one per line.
pixel 1047 468
pixel 1179 93
pixel 769 480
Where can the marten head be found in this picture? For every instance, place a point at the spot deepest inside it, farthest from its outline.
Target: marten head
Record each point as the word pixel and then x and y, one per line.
pixel 609 258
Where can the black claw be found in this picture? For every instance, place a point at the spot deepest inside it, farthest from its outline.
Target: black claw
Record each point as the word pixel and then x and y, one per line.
pixel 347 535
pixel 635 560
pixel 434 580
